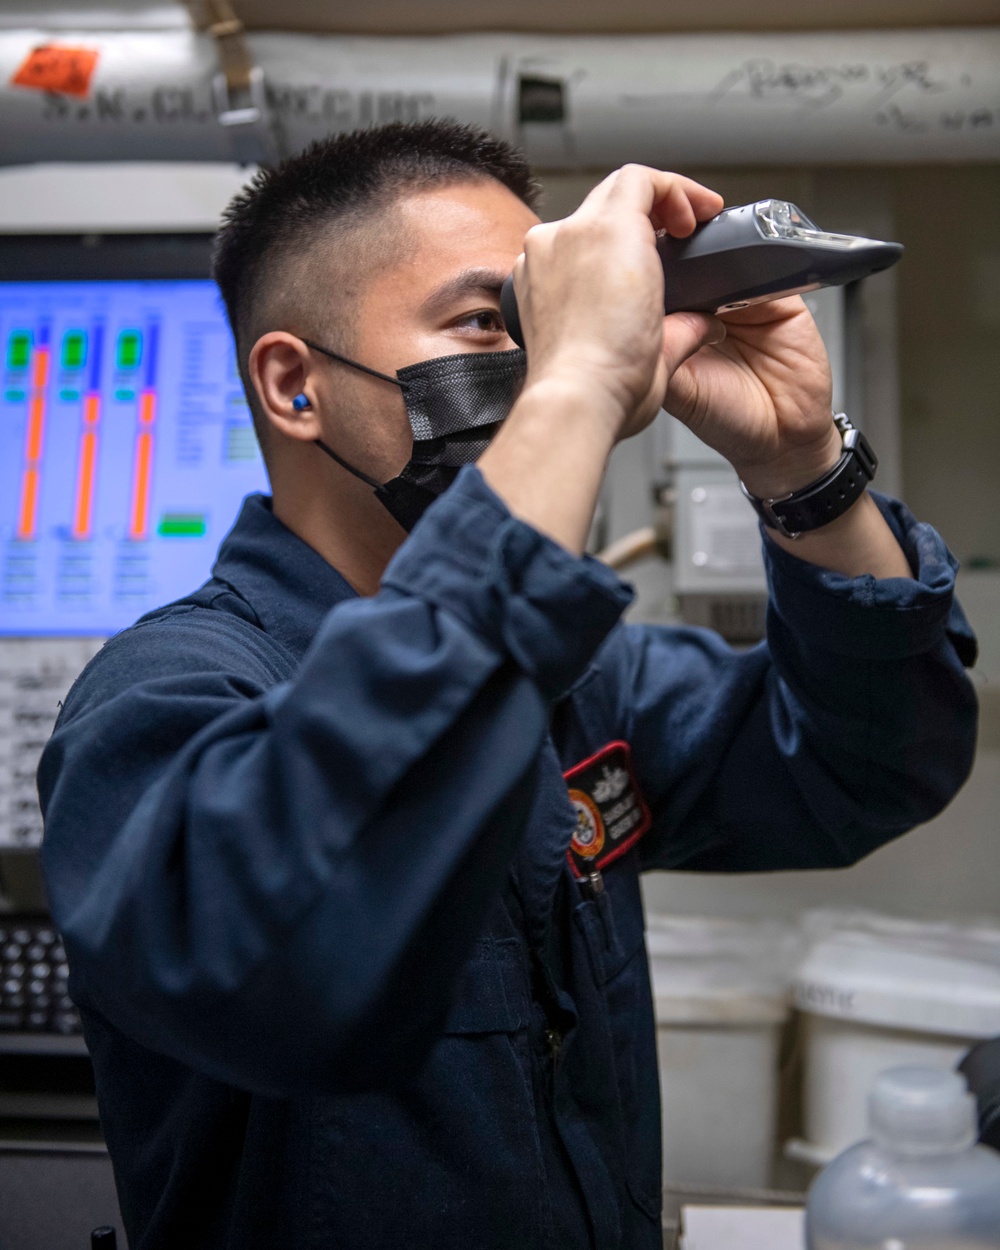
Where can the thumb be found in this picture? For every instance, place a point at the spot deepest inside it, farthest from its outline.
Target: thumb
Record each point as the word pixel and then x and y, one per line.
pixel 685 333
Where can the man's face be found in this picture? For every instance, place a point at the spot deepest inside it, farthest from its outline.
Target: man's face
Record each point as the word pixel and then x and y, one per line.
pixel 438 295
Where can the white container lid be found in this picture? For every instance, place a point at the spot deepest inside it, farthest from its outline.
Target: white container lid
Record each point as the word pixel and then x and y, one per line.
pixel 708 971
pixel 932 978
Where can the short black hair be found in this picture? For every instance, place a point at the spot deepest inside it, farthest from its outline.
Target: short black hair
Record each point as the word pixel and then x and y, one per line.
pixel 342 179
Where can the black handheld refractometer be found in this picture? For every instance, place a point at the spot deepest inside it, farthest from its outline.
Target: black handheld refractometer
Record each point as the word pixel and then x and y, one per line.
pixel 747 255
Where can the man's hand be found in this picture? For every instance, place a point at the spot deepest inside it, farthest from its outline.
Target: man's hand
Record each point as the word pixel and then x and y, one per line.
pixel 592 288
pixel 603 359
pixel 763 397
pixel 590 291
pixel 600 353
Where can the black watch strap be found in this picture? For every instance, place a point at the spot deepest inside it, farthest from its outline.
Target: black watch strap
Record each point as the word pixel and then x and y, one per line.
pixel 827 498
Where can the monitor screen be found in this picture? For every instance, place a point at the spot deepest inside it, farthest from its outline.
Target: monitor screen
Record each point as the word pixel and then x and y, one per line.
pixel 126 447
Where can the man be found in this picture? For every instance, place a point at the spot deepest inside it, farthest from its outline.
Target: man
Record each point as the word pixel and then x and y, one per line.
pixel 345 846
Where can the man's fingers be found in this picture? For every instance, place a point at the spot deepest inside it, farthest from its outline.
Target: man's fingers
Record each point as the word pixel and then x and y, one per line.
pixel 671 201
pixel 682 205
pixel 674 212
pixel 685 333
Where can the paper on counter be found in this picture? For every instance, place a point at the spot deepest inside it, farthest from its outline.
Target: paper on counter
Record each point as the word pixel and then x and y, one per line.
pixel 742 1228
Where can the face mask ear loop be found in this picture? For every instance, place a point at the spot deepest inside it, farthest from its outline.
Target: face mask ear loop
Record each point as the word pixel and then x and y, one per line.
pixel 345 360
pixel 369 481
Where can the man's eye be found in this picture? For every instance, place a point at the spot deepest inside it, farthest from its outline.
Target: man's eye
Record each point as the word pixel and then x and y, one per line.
pixel 486 319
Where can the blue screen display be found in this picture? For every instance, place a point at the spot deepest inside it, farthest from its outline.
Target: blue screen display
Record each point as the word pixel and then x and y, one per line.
pixel 126 447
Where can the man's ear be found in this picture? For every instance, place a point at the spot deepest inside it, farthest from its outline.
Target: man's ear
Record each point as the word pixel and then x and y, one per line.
pixel 280 368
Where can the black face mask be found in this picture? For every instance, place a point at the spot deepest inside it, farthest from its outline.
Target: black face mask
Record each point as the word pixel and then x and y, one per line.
pixel 455 405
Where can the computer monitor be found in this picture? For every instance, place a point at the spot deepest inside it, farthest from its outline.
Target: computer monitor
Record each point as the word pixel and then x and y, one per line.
pixel 126 444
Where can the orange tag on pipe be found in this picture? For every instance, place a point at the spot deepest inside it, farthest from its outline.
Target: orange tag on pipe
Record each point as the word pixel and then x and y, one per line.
pixel 54 68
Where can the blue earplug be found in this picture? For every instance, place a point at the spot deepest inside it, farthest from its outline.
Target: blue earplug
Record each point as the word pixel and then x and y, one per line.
pixel 301 401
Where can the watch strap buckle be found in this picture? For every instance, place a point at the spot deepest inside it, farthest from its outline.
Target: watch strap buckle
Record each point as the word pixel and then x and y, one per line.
pixel 765 510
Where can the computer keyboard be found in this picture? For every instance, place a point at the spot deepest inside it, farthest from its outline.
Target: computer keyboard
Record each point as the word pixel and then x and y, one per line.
pixel 33 972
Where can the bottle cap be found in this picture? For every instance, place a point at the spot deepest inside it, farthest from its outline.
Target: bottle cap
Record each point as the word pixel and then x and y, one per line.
pixel 922 1111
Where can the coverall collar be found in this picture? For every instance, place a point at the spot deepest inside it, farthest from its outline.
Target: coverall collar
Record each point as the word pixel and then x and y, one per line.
pixel 289 585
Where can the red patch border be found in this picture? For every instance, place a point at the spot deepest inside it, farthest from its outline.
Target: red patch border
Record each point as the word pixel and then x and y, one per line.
pixel 601 862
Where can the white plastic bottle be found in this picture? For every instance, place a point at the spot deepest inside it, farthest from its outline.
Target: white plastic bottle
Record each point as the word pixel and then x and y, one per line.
pixel 920 1182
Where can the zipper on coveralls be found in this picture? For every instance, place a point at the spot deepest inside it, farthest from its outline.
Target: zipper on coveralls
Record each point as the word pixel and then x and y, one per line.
pixel 592 885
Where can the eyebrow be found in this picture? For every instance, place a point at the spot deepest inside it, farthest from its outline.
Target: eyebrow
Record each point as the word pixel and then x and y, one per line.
pixel 479 281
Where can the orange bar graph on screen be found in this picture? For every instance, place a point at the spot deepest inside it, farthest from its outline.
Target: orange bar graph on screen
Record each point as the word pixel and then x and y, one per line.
pixel 86 464
pixel 142 476
pixel 84 508
pixel 27 516
pixel 41 375
pixel 147 408
pixel 139 524
pixel 143 472
pixel 36 428
pixel 27 513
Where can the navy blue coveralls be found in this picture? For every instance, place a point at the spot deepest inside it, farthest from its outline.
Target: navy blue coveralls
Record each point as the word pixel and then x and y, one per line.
pixel 341 985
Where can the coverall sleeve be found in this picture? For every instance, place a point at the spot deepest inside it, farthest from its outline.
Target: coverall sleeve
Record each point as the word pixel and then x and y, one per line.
pixel 852 723
pixel 278 884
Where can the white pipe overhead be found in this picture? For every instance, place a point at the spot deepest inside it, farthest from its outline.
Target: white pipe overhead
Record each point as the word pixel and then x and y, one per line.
pixel 913 96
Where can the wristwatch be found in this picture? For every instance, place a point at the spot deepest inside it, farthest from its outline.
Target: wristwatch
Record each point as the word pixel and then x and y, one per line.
pixel 827 498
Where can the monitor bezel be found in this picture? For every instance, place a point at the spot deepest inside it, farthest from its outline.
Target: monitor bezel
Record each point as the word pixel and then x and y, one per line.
pixel 111 257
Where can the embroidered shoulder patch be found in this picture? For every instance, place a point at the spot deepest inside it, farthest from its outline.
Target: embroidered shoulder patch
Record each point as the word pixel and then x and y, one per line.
pixel 611 814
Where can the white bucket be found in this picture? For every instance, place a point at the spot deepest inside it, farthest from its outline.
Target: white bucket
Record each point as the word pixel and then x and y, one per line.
pixel 720 988
pixel 877 992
